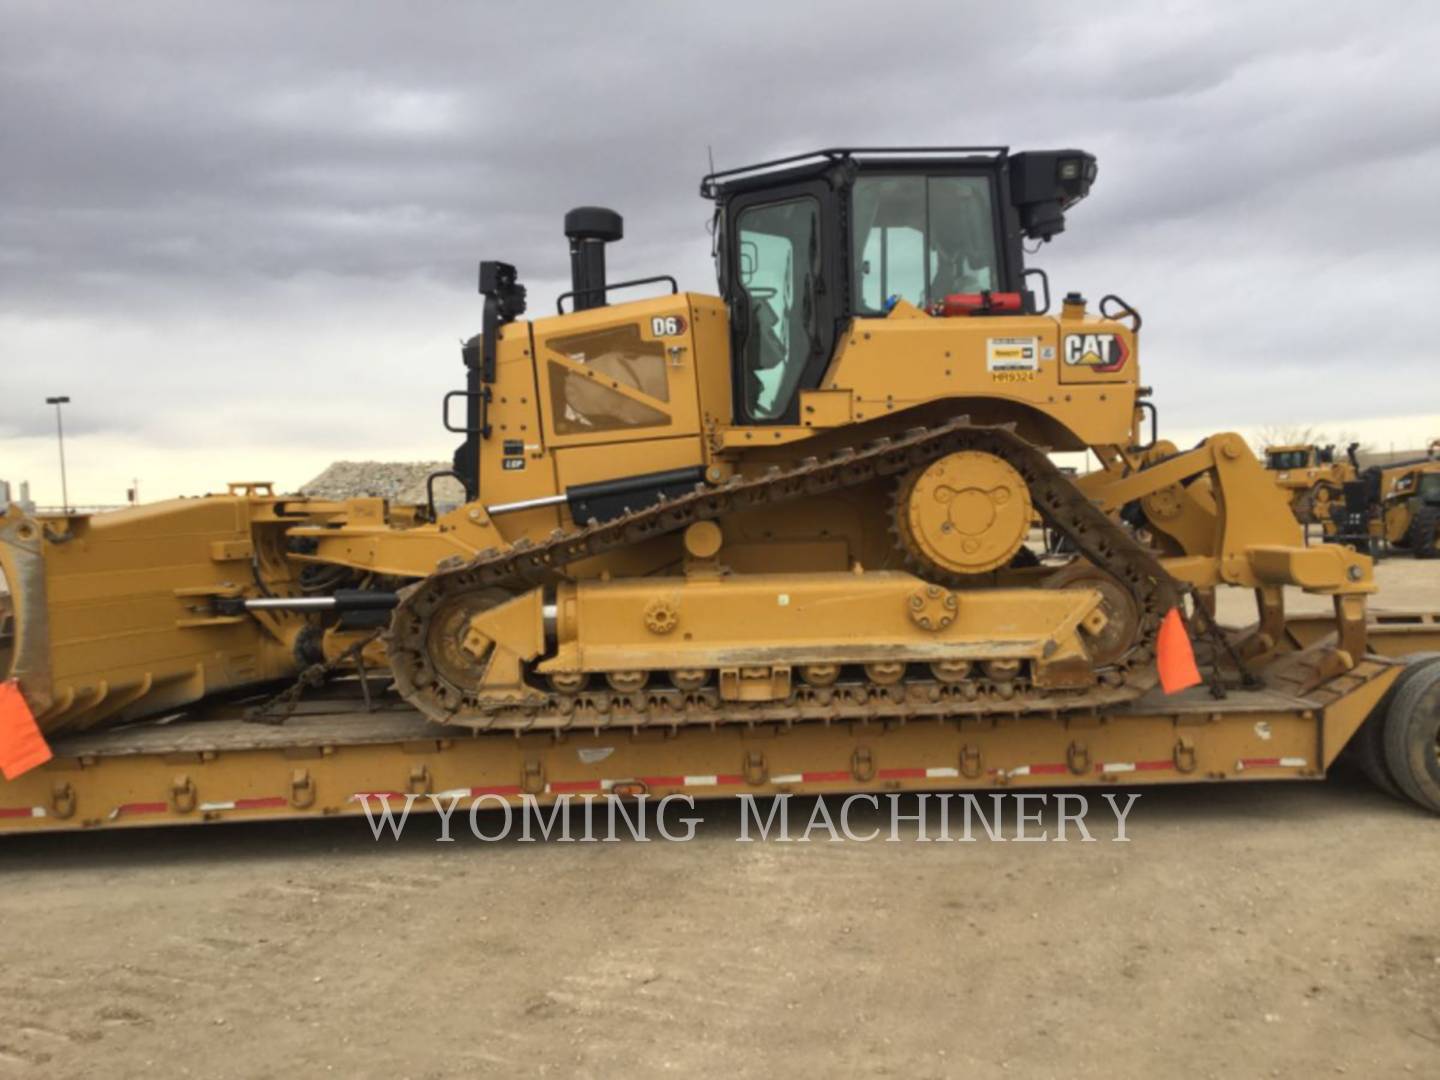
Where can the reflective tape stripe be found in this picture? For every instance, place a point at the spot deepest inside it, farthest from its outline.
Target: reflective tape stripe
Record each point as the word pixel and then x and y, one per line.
pixel 1270 763
pixel 266 802
pixel 1048 769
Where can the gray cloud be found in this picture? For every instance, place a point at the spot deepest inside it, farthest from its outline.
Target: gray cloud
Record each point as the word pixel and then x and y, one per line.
pixel 197 174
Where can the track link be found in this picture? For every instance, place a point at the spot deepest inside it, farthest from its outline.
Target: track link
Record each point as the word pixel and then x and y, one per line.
pixel 528 563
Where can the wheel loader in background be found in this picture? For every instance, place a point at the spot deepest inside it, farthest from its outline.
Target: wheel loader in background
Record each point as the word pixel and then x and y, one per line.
pixel 1392 507
pixel 698 523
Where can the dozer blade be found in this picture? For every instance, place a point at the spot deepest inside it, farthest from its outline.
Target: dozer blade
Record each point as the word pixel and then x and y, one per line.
pixel 111 617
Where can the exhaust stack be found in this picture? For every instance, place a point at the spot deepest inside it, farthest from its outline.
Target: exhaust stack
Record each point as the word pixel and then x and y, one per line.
pixel 589 229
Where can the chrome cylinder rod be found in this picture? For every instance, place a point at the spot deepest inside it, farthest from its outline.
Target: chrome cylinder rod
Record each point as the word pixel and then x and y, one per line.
pixel 525 504
pixel 343 600
pixel 291 603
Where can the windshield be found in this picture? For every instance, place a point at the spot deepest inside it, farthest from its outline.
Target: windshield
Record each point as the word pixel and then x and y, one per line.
pixel 1288 459
pixel 1430 487
pixel 921 238
pixel 779 254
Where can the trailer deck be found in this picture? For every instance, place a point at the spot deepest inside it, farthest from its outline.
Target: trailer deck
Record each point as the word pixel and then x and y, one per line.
pixel 212 764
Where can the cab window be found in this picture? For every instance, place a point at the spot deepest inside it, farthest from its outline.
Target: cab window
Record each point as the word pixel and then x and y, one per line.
pixel 779 260
pixel 1288 459
pixel 921 238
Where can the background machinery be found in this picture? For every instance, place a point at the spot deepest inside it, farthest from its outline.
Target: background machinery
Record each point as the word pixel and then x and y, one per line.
pixel 1312 477
pixel 1394 506
pixel 803 502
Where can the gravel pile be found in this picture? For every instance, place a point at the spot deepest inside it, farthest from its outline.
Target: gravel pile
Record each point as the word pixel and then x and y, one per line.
pixel 398 481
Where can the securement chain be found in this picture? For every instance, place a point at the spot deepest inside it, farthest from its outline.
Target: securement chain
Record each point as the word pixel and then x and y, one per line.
pixel 278 708
pixel 528 563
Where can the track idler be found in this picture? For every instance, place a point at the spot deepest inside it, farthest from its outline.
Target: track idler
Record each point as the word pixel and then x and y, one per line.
pixel 966 514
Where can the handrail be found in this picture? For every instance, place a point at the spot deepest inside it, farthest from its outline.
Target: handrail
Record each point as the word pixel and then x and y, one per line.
pixel 603 289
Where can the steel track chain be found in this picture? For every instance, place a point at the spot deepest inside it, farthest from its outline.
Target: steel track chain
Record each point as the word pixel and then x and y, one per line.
pixel 528 563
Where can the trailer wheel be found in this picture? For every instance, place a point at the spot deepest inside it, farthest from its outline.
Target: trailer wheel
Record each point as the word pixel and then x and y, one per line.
pixel 1412 728
pixel 1368 751
pixel 1367 748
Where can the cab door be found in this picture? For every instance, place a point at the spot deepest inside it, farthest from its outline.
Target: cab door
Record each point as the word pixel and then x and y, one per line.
pixel 782 273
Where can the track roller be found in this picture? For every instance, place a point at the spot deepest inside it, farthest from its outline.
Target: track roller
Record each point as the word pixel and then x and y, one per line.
pixel 568 682
pixel 951 671
pixel 820 675
pixel 689 679
pixel 1001 670
pixel 885 672
pixel 627 682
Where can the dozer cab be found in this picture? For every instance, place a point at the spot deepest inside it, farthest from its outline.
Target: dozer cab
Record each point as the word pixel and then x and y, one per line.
pixel 808 498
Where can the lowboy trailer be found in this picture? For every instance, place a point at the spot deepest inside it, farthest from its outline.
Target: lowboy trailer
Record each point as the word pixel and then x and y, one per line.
pixel 347 742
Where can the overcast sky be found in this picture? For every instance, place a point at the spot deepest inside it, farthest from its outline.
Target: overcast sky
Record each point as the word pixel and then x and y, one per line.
pixel 243 237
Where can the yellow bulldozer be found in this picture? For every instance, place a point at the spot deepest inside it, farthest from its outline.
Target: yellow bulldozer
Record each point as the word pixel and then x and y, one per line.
pixel 809 498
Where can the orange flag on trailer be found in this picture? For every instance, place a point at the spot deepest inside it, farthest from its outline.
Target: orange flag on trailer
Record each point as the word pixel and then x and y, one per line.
pixel 1174 656
pixel 22 747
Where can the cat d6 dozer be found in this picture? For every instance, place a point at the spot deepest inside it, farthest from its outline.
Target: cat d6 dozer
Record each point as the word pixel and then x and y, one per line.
pixel 812 497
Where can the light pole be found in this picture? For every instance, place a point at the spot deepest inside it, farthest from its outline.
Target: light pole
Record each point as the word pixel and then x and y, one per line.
pixel 60 431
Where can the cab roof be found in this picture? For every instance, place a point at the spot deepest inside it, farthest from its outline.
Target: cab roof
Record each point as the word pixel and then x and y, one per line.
pixel 766 174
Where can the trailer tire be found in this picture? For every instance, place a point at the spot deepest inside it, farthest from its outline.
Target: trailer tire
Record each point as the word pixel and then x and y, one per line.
pixel 1368 752
pixel 1412 727
pixel 1367 748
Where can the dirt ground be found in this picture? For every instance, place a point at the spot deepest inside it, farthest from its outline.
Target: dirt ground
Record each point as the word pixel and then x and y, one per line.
pixel 1248 930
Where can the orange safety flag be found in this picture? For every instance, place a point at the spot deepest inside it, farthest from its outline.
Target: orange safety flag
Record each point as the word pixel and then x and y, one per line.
pixel 22 747
pixel 1174 656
